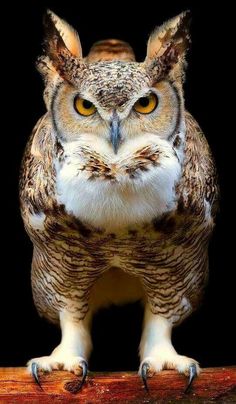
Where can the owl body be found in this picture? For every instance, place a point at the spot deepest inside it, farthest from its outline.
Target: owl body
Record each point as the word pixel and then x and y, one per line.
pixel 143 249
pixel 118 192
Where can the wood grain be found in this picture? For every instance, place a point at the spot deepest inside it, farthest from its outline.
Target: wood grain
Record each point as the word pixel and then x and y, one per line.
pixel 213 385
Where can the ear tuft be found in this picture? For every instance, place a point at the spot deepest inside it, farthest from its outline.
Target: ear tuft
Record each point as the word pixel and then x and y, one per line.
pixel 62 50
pixel 55 27
pixel 174 32
pixel 168 44
pixel 62 58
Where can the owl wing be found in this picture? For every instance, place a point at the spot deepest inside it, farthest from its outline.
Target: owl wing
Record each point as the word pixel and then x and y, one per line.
pixel 199 185
pixel 37 176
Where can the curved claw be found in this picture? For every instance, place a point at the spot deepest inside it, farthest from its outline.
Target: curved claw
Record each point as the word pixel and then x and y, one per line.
pixel 74 387
pixel 144 373
pixel 84 366
pixel 34 372
pixel 192 375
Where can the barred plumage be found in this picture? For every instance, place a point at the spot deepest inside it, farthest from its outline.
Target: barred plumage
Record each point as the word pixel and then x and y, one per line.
pixel 117 223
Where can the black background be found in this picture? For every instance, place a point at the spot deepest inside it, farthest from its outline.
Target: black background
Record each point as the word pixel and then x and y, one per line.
pixel 208 335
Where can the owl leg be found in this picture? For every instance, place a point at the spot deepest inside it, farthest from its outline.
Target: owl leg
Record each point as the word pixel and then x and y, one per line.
pixel 71 354
pixel 157 352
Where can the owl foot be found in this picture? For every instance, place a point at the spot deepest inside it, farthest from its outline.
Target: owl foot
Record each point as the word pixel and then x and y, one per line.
pixel 45 364
pixel 182 364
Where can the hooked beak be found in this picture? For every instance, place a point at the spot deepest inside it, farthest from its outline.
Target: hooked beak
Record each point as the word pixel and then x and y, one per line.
pixel 115 132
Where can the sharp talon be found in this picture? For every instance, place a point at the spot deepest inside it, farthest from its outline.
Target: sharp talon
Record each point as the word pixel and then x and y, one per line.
pixel 73 387
pixel 144 372
pixel 84 366
pixel 192 375
pixel 34 371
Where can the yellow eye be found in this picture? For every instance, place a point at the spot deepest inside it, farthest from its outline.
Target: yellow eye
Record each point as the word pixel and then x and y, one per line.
pixel 84 107
pixel 146 105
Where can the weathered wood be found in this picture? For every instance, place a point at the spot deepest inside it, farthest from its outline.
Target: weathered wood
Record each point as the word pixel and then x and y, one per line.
pixel 214 384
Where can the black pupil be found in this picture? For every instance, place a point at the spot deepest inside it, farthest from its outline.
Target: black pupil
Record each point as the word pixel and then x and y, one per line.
pixel 87 104
pixel 144 101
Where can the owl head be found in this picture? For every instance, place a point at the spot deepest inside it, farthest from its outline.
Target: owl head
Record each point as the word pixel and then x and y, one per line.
pixel 117 121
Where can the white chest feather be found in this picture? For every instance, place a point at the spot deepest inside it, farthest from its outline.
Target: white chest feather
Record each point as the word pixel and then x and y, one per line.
pixel 124 202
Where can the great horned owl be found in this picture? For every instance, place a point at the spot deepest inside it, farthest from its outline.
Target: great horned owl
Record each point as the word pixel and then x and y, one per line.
pixel 118 193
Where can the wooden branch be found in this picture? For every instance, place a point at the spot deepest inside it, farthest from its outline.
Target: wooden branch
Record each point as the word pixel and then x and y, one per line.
pixel 214 384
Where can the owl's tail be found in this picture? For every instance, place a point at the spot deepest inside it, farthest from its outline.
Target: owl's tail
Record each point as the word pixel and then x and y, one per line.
pixel 111 49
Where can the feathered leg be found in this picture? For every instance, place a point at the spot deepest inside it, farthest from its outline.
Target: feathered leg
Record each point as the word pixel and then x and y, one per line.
pixel 73 351
pixel 157 352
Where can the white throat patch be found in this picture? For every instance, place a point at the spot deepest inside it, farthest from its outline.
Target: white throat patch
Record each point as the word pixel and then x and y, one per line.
pixel 124 202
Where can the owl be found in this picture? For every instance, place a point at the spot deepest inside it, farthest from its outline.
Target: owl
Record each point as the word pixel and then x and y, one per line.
pixel 118 194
